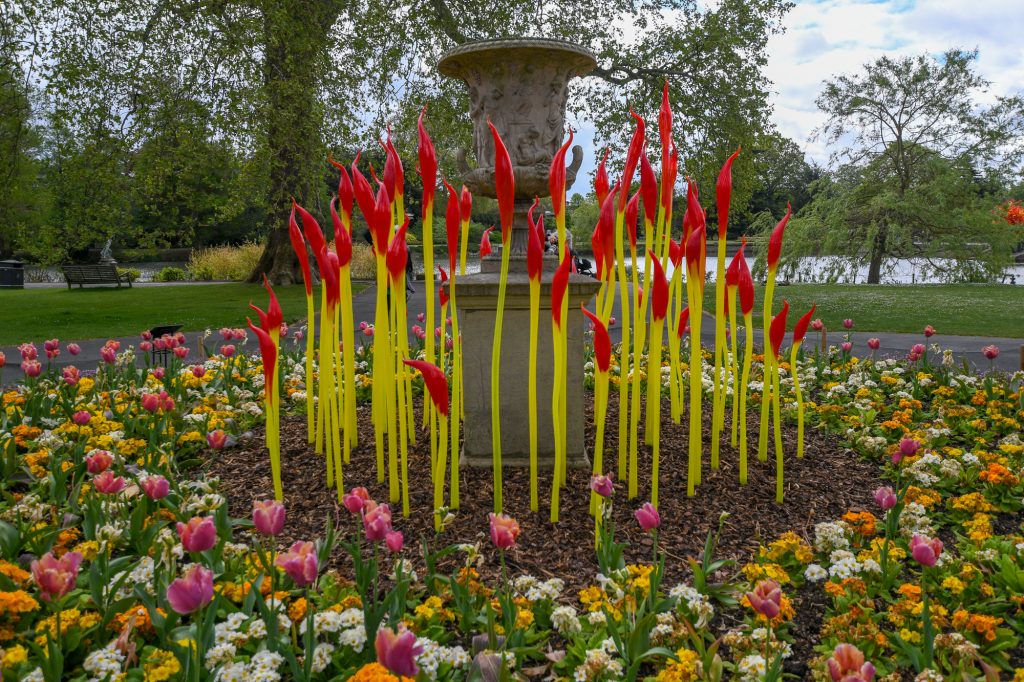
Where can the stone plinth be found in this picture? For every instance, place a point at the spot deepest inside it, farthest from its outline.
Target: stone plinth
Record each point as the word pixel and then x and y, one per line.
pixel 477 297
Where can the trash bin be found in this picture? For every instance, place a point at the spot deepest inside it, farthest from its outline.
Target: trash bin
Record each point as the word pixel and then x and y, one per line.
pixel 12 274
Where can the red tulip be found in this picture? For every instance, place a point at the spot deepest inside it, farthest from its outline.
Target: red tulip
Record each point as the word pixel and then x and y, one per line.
pixel 766 598
pixel 452 223
pixel 817 325
pixel 632 211
pixel 874 344
pixel 846 346
pixel 3 360
pixel 156 487
pixel 300 563
pixel 918 349
pixel 356 499
pixel 909 447
pixel 485 243
pixel 70 373
pixel 398 253
pixel 98 462
pixel 268 517
pixel 428 163
pixel 659 291
pixel 559 284
pixel 107 483
pixel 107 354
pixel 746 287
pixel 991 351
pixel 398 651
pixel 504 182
pixel 601 184
pixel 602 342
pixel 81 418
pixel 556 178
pixel 299 245
pixel 28 351
pixel 31 368
pixel 504 530
pixel 636 148
pixel 376 521
pixel 723 191
pixel 435 381
pixel 925 550
pixel 847 664
pixel 775 240
pixel 800 330
pixel 684 317
pixel 848 323
pixel 198 535
pixel 192 591
pixel 56 577
pixel 180 352
pixel 777 329
pixel 929 331
pixel 602 485
pixel 394 541
pixel 74 348
pixel 648 517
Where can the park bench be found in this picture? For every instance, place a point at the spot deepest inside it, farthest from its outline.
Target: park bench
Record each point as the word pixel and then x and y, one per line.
pixel 94 274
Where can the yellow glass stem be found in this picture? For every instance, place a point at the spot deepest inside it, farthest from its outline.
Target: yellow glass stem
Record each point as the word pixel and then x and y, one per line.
pixel 495 382
pixel 349 358
pixel 439 471
pixel 600 410
pixel 696 376
pixel 624 369
pixel 556 423
pixel 310 414
pixel 430 294
pixel 654 397
pixel 799 401
pixel 464 246
pixel 730 295
pixel 762 436
pixel 532 389
pixel 718 386
pixel 748 356
pixel 457 399
pixel 778 437
pixel 380 363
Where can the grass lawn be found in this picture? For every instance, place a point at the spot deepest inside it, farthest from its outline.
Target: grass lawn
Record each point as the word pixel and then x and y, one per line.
pixel 955 309
pixel 34 314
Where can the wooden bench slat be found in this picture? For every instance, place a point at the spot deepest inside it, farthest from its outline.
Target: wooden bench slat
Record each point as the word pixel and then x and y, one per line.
pixel 93 274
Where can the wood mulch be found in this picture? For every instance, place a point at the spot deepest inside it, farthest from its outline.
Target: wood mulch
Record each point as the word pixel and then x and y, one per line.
pixel 828 481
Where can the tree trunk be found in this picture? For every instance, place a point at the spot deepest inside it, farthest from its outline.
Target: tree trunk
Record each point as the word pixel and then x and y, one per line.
pixel 295 40
pixel 877 254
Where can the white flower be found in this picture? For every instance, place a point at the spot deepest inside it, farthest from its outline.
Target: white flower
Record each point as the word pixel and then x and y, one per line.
pixel 103 663
pixel 815 573
pixel 752 667
pixel 322 656
pixel 220 654
pixel 565 620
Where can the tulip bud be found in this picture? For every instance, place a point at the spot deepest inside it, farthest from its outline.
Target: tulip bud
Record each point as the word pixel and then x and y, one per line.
pixel 156 487
pixel 766 599
pixel 217 439
pixel 602 485
pixel 268 517
pixel 648 518
pixel 300 563
pixel 885 498
pixel 397 652
pixel 56 577
pixel 925 550
pixel 874 344
pixel 198 535
pixel 108 484
pixel 192 591
pixel 81 418
pixel 848 323
pixel 394 541
pixel 355 500
pixel 376 521
pixel 504 530
pixel 98 462
pixel 74 348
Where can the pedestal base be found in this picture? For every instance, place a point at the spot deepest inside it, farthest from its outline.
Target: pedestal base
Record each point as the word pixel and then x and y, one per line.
pixel 477 298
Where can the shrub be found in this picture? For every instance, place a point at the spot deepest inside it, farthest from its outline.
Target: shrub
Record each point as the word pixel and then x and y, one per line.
pixel 170 274
pixel 132 274
pixel 364 263
pixel 232 263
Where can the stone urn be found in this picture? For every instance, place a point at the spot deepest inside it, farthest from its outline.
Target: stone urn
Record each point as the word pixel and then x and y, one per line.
pixel 521 86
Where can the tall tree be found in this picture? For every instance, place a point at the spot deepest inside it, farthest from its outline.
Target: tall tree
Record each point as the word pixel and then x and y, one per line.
pixel 895 121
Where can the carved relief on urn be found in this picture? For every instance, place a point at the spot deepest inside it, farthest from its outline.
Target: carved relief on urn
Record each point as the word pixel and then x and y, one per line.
pixel 521 86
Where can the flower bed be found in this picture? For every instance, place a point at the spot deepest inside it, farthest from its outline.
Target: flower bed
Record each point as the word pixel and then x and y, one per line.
pixel 120 559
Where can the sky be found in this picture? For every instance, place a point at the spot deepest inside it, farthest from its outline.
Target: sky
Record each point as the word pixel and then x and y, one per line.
pixel 824 38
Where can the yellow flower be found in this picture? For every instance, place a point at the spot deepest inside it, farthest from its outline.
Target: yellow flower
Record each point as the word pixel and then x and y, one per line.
pixel 13 656
pixel 953 584
pixel 14 572
pixel 685 669
pixel 375 672
pixel 16 603
pixel 160 665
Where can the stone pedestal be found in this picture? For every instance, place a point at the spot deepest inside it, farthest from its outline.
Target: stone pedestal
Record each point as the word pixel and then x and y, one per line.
pixel 477 297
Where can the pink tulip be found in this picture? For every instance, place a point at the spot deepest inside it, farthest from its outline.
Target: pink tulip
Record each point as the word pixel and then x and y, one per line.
pixel 376 521
pixel 394 541
pixel 846 346
pixel 355 499
pixel 817 325
pixel 299 563
pixel 192 591
pixel 28 351
pixel 602 485
pixel 766 598
pixel 180 352
pixel 31 368
pixel 159 344
pixel 421 317
pixel 108 355
pixel 145 346
pixel 3 359
pixel 226 334
pixel 368 330
pixel 198 535
pixel 228 350
pixel 991 352
pixel 929 332
pixel 217 439
pixel 299 336
pixel 146 335
pixel 74 348
pixel 268 517
pixel 56 577
pixel 848 665
pixel 198 371
pixel 150 402
pixel 918 349
pixel 156 487
pixel 848 323
pixel 71 375
pixel 886 498
pixel 908 448
pixel 504 530
pixel 158 373
pixel 81 418
pixel 240 334
pixel 108 484
pixel 98 462
pixel 283 330
pixel 925 550
pixel 874 344
pixel 648 517
pixel 398 652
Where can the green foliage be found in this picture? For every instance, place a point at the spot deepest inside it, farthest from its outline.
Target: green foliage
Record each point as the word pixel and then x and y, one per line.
pixel 133 274
pixel 170 274
pixel 224 263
